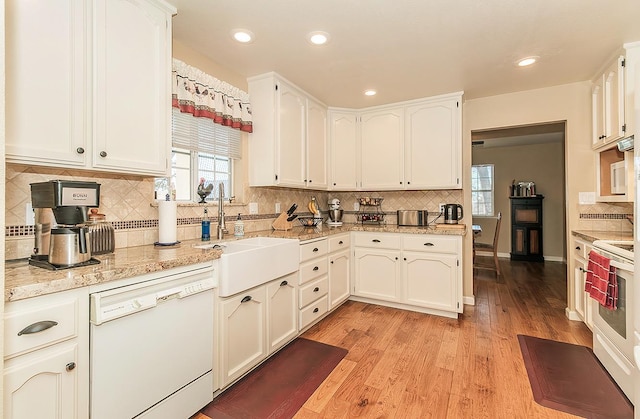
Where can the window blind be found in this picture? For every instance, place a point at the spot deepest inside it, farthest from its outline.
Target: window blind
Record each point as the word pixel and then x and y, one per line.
pixel 203 135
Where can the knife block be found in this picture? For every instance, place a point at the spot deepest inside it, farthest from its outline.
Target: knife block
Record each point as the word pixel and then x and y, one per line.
pixel 281 223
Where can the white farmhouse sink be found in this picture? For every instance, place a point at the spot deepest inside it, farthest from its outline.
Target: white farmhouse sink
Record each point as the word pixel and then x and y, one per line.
pixel 251 262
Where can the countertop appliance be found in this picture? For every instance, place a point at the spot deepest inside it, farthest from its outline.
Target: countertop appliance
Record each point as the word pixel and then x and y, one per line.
pixel 61 208
pixel 613 337
pixel 335 213
pixel 413 218
pixel 151 344
pixel 453 213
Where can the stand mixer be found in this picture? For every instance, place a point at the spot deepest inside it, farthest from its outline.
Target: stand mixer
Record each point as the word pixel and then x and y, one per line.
pixel 335 213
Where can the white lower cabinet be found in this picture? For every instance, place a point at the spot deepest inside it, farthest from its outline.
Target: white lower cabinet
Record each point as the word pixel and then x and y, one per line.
pixel 283 311
pixel 582 300
pixel 243 333
pixel 46 370
pixel 254 324
pixel 421 272
pixel 313 281
pixel 339 269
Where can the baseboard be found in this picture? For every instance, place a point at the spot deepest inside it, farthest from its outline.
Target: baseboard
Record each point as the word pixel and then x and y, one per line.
pixel 469 300
pixel 572 314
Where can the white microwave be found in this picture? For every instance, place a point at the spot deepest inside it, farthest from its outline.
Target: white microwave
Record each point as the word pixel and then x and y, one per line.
pixel 618 178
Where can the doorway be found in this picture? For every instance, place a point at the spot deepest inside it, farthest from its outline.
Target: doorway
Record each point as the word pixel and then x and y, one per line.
pixel 529 153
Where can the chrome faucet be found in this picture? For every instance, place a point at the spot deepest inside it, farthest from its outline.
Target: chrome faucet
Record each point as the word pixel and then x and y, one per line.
pixel 222 229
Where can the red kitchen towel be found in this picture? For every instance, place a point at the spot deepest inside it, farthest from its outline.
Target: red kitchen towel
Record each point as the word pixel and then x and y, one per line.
pixel 602 282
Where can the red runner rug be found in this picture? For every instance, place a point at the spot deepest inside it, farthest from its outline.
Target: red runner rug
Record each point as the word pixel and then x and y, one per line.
pixel 570 378
pixel 280 386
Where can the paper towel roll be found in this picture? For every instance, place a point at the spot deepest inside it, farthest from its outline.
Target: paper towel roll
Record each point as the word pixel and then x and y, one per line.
pixel 167 222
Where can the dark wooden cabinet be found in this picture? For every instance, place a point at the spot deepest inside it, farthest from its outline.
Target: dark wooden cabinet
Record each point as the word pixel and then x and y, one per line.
pixel 526 228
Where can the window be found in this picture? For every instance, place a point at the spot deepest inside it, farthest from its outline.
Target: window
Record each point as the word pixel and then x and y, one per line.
pixel 482 189
pixel 201 149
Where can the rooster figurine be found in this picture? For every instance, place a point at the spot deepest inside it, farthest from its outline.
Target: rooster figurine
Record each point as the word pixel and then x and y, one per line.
pixel 204 191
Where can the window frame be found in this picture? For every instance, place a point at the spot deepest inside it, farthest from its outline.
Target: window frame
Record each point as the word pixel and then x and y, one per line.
pixel 492 190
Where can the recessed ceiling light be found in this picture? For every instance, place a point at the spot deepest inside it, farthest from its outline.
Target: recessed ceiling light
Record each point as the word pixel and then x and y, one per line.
pixel 527 61
pixel 242 35
pixel 370 92
pixel 318 37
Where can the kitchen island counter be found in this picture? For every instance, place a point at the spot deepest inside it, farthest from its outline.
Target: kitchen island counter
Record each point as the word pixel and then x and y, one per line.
pixel 24 281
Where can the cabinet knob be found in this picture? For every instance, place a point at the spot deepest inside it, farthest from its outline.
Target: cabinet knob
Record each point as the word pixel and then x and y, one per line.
pixel 315 310
pixel 405 259
pixel 70 366
pixel 315 249
pixel 340 242
pixel 310 180
pixel 284 283
pixel 103 154
pixel 315 268
pixel 245 299
pixel 334 184
pixel 581 269
pixel 396 257
pixel 80 150
pixel 408 183
pixel 316 289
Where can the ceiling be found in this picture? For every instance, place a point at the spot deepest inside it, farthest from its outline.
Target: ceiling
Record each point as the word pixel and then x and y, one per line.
pixel 409 49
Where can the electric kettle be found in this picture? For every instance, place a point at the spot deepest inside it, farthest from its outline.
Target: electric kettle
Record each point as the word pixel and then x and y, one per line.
pixel 453 213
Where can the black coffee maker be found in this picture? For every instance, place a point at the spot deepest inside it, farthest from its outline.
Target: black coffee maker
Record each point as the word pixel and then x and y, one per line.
pixel 61 210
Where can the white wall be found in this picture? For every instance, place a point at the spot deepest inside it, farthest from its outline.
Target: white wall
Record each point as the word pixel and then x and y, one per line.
pixel 570 103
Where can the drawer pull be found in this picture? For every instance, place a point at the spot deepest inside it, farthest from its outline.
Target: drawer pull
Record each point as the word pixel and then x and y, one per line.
pixel 582 269
pixel 340 242
pixel 577 247
pixel 429 244
pixel 315 310
pixel 37 327
pixel 375 241
pixel 245 299
pixel 284 283
pixel 70 366
pixel 315 268
pixel 315 249
pixel 316 289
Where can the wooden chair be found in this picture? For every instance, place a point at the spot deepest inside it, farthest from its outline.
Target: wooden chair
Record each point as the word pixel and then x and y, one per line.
pixel 489 247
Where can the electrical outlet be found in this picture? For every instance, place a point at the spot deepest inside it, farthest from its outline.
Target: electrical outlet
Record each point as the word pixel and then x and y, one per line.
pixel 356 206
pixel 30 216
pixel 253 207
pixel 277 208
pixel 441 208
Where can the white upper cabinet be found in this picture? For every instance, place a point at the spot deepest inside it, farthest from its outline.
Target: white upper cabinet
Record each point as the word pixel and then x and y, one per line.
pixel 46 82
pixel 103 94
pixel 608 104
pixel 132 90
pixel 381 136
pixel 288 146
pixel 432 150
pixel 343 157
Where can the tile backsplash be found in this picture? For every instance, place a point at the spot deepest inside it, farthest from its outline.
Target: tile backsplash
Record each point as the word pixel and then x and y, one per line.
pixel 128 202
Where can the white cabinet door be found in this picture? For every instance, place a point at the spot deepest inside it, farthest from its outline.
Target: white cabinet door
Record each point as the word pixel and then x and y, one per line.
pixel 344 153
pixel 132 101
pixel 613 80
pixel 43 386
pixel 433 152
pixel 292 113
pixel 243 327
pixel 382 149
pixel 597 112
pixel 377 274
pixel 431 280
pixel 283 311
pixel 339 283
pixel 46 82
pixel 579 279
pixel 317 146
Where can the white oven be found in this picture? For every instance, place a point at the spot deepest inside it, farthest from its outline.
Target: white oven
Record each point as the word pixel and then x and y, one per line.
pixel 613 338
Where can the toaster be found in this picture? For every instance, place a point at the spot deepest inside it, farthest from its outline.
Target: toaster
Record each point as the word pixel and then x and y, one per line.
pixel 413 218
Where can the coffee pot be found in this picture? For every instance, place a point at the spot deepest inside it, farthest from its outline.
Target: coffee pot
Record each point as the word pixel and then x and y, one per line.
pixel 69 246
pixel 453 213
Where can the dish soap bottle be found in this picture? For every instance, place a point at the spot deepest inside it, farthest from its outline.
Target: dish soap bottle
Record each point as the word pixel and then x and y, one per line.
pixel 238 227
pixel 206 227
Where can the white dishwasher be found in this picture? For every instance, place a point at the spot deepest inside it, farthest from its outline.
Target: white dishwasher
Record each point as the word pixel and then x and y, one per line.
pixel 151 346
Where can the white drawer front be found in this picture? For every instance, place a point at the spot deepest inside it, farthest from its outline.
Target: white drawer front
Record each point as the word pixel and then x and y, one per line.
pixel 314 269
pixel 313 312
pixel 377 240
pixel 580 249
pixel 339 243
pixel 313 250
pixel 313 291
pixel 431 243
pixel 34 328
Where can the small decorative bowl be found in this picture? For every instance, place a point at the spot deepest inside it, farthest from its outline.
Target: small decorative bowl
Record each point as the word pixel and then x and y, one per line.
pixel 309 221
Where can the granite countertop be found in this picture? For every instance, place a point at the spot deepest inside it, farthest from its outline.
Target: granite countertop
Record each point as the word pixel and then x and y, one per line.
pixel 592 235
pixel 24 281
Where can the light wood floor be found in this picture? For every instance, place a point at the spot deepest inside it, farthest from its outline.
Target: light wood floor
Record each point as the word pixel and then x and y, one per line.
pixel 403 364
